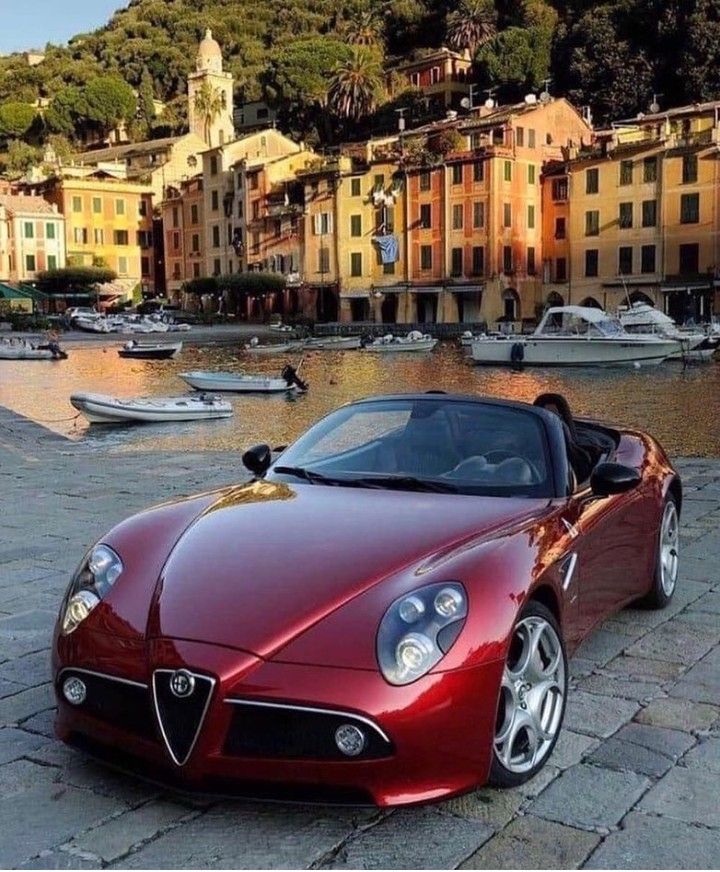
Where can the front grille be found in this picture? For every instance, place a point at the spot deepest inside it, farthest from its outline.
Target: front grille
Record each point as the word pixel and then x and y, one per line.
pixel 181 716
pixel 120 703
pixel 278 731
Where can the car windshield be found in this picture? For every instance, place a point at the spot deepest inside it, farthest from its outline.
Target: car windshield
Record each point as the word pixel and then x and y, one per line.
pixel 432 444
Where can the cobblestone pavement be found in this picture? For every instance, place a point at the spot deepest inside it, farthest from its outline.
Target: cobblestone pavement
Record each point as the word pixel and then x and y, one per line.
pixel 632 783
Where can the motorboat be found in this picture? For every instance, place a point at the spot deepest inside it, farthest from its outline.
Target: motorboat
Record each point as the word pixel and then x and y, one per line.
pixel 332 343
pixel 24 350
pixel 150 350
pixel 255 346
pixel 102 409
pixel 575 336
pixel 92 324
pixel 245 384
pixel 390 344
pixel 695 344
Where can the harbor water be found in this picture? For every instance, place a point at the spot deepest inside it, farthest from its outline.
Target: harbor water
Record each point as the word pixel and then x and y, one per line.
pixel 679 405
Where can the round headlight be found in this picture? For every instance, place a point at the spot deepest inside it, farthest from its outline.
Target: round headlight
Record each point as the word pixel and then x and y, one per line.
pixel 448 602
pixel 413 652
pixel 105 566
pixel 78 608
pixel 411 609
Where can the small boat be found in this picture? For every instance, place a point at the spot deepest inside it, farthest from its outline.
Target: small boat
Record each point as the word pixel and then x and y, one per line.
pixel 254 347
pixel 414 341
pixel 27 351
pixel 332 343
pixel 92 324
pixel 150 350
pixel 695 344
pixel 102 409
pixel 245 384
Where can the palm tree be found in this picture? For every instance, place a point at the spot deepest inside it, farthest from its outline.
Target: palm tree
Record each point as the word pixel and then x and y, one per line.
pixel 365 28
pixel 208 104
pixel 356 84
pixel 471 25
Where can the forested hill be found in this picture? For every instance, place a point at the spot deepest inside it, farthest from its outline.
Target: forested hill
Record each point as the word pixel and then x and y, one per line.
pixel 610 56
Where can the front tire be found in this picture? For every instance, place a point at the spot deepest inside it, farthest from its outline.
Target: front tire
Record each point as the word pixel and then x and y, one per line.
pixel 531 705
pixel 667 562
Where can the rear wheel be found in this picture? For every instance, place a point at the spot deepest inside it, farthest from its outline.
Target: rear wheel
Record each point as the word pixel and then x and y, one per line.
pixel 531 706
pixel 667 563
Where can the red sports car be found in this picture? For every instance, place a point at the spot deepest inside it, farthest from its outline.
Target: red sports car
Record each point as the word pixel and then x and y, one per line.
pixel 384 614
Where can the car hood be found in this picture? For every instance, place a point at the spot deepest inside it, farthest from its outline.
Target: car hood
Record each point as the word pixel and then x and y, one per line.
pixel 267 560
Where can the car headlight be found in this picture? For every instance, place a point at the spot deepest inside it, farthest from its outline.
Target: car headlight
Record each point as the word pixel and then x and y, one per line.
pixel 98 572
pixel 419 629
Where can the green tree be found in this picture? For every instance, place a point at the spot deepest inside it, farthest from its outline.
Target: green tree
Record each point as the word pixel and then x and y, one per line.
pixel 208 105
pixel 15 119
pixel 108 102
pixel 146 97
pixel 20 157
pixel 365 27
pixel 357 85
pixel 64 113
pixel 518 60
pixel 74 278
pixel 471 25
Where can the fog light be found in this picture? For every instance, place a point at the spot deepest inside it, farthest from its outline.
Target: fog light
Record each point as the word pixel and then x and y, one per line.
pixel 74 690
pixel 350 740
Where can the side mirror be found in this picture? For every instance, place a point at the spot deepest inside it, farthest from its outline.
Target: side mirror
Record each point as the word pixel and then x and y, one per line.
pixel 613 478
pixel 257 459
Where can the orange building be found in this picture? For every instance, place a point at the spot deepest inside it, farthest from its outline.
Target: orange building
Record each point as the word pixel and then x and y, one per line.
pixel 184 229
pixel 442 75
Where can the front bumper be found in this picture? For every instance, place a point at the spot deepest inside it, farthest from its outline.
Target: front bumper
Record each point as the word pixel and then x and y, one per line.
pixel 426 740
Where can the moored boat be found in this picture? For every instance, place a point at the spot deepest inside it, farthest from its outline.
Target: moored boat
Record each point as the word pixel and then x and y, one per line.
pixel 389 344
pixel 204 380
pixel 150 350
pixel 102 409
pixel 256 347
pixel 23 350
pixel 332 343
pixel 695 344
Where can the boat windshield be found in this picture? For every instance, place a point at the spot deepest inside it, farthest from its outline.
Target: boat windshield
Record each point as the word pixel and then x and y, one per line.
pixel 425 444
pixel 561 323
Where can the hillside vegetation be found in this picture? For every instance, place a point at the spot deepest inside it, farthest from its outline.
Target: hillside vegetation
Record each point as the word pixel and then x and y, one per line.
pixel 321 61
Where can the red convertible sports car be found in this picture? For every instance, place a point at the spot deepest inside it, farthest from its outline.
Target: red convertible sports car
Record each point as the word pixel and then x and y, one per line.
pixel 383 614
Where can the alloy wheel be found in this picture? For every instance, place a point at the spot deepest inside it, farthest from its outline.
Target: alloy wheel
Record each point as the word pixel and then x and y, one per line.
pixel 669 545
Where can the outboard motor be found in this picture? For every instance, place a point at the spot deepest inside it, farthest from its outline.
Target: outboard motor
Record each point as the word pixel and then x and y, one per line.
pixel 291 377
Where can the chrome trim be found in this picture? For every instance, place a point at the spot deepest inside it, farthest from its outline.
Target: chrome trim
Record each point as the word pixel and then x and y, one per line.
pixel 319 711
pixel 101 675
pixel 571 528
pixel 567 569
pixel 201 720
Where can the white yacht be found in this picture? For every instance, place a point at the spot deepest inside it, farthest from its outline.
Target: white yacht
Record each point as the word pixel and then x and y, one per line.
pixel 575 336
pixel 695 344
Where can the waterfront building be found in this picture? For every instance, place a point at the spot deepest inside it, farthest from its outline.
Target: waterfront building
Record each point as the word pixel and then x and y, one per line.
pixel 442 75
pixel 32 237
pixel 183 221
pixel 635 216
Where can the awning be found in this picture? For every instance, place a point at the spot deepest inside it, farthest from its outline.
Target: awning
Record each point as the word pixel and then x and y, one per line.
pixel 465 289
pixel 389 289
pixel 689 288
pixel 7 292
pixel 355 294
pixel 632 283
pixel 429 289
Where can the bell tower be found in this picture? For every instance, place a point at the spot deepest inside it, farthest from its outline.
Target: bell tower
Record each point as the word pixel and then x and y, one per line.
pixel 210 95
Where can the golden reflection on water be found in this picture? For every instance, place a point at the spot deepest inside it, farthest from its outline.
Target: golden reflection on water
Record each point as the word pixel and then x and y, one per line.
pixel 680 407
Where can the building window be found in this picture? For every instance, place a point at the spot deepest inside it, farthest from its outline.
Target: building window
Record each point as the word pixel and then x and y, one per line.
pixel 434 75
pixel 196 270
pixel 426 216
pixel 478 214
pixel 176 270
pixel 457 216
pixel 690 209
pixel 122 266
pixel 560 269
pixel 592 223
pixel 216 236
pixel 119 207
pixel 507 259
pixel 50 231
pixel 520 136
pixel 625 260
pixel 457 174
pixel 456 262
pixel 560 190
pixel 424 181
pixel 217 267
pixel 649 213
pixel 213 165
pixel 256 210
pixel 253 181
pixel 175 217
pixel 426 257
pixel 625 216
pixel 592 260
pixel 214 201
pixel 478 171
pixel 240 209
pixel 28 230
pixel 560 228
pixel 650 170
pixel 626 172
pixel 478 260
pixel 356 263
pixel 195 243
pixel 99 236
pixel 647 259
pixel 379 182
pixel 507 171
pixel 689 169
pixel 97 205
pixel 531 138
pixel 121 237
pixel 176 240
pixel 507 215
pixel 531 260
pixel 142 208
pixel 322 223
pixel 323 260
pixel 80 235
pixel 145 266
pixel 30 262
pixel 355 187
pixel 255 242
pixel 592 181
pixel 389 269
pixel 356 225
pixel 51 261
pixel 532 174
pixel 689 260
pixel 77 204
pixel 194 214
pixel 531 218
pixel 144 238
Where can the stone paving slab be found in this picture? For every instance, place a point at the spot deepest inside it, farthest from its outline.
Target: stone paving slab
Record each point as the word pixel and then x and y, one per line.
pixel 630 780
